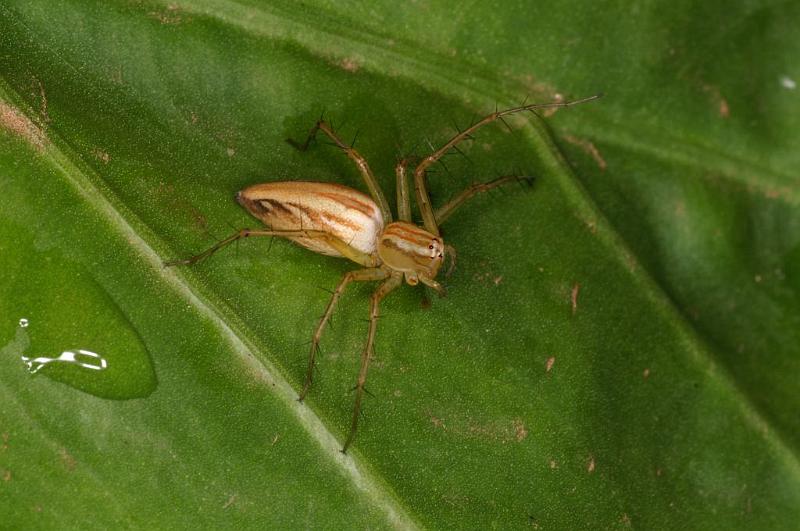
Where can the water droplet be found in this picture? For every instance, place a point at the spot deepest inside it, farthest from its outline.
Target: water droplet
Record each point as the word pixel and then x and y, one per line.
pixel 83 358
pixel 75 333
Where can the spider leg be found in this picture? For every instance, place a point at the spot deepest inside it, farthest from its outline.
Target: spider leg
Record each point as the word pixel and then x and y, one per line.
pixel 342 247
pixel 446 210
pixel 360 275
pixel 360 162
pixel 374 313
pixel 423 199
pixel 403 200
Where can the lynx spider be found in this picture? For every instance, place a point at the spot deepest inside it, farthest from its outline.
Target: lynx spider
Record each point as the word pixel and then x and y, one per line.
pixel 339 221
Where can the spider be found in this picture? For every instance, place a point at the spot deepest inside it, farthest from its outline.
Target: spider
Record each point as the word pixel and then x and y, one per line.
pixel 336 220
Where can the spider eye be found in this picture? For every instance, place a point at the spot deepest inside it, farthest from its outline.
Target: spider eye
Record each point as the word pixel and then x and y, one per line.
pixel 430 246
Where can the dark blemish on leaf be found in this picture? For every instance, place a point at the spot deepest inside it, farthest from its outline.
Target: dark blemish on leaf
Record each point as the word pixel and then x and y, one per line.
pixel 521 431
pixel 549 363
pixel 646 373
pixel 591 465
pixel 553 464
pixel 716 97
pixel 230 501
pixel 67 459
pixel 777 193
pixel 503 432
pixel 101 155
pixel 17 123
pixel 630 261
pixel 437 422
pixel 590 149
pixel 574 297
pixel 170 16
pixel 350 64
pixel 724 110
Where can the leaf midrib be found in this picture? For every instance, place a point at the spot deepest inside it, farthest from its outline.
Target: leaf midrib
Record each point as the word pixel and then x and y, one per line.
pixel 136 233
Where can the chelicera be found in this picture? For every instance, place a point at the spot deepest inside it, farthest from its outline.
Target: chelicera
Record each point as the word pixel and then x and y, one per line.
pixel 339 221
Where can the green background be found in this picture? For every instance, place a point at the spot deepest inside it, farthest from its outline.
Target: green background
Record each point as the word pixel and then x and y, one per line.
pixel 619 347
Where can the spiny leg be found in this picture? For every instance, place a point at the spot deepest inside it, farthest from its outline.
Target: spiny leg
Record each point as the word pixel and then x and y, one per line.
pixel 423 199
pixel 446 210
pixel 346 250
pixel 374 312
pixel 403 200
pixel 374 190
pixel 450 252
pixel 358 276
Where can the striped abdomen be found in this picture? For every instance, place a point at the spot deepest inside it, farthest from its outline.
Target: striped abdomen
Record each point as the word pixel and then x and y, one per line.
pixel 332 208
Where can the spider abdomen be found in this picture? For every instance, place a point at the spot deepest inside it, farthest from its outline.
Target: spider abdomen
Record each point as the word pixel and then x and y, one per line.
pixel 343 212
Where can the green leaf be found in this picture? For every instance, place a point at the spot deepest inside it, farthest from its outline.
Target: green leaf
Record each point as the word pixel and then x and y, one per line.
pixel 619 346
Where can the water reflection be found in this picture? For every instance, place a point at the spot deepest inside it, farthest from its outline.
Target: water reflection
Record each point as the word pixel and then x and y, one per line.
pixel 83 358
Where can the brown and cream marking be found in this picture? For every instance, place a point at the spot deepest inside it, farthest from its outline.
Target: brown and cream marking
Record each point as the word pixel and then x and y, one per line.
pixel 342 212
pixel 407 248
pixel 339 221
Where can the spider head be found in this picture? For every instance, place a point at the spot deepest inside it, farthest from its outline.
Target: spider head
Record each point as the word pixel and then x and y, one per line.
pixel 409 249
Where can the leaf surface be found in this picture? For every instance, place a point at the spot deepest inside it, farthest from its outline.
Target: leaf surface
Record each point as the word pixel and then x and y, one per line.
pixel 619 346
